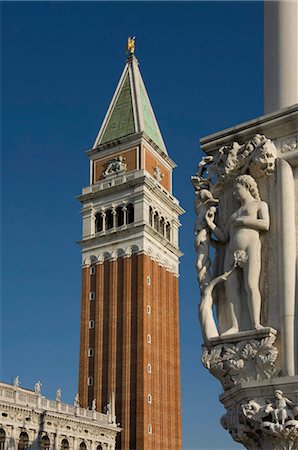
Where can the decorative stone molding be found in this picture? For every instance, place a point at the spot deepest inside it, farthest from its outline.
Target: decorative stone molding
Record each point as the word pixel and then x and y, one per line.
pixel 128 252
pixel 288 144
pixel 157 174
pixel 55 420
pixel 115 166
pixel 245 360
pixel 264 424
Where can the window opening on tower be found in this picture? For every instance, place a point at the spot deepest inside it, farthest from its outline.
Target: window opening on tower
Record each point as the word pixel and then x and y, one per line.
pixel 119 216
pixel 151 216
pixel 130 213
pixel 98 222
pixel 168 231
pixel 109 219
pixel 160 224
pixel 113 218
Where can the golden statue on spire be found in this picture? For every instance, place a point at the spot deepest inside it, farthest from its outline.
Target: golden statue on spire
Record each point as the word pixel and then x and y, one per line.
pixel 130 48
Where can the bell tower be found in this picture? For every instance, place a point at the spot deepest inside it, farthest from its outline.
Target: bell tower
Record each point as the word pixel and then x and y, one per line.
pixel 129 339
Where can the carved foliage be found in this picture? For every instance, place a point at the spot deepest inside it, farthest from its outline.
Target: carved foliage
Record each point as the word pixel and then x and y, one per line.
pixel 256 157
pixel 243 361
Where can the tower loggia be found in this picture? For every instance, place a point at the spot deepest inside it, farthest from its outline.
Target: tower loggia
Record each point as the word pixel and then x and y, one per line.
pixel 129 341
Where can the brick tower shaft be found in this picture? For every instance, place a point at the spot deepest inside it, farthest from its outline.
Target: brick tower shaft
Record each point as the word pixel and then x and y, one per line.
pixel 129 339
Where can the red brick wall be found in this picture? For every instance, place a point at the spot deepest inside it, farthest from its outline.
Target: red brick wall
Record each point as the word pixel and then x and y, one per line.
pixel 100 164
pixel 122 352
pixel 151 162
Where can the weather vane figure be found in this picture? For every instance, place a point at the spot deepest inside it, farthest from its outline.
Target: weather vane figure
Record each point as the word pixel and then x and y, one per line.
pixel 130 48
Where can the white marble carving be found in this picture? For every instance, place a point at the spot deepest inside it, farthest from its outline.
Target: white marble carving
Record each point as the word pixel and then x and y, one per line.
pixel 288 145
pixel 242 233
pixel 115 166
pixel 37 388
pixel 266 424
pixel 16 382
pixel 76 402
pixel 246 360
pixel 58 395
pixel 231 217
pixel 158 175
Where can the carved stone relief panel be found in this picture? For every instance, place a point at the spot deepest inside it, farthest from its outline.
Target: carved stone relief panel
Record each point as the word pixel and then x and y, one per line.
pixel 232 189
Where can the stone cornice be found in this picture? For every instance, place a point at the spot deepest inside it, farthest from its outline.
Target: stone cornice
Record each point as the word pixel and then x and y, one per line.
pixel 134 179
pixel 125 143
pixel 128 230
pixel 275 125
pixel 62 417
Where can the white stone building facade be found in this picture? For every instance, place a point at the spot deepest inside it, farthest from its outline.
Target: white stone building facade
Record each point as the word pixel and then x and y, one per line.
pixel 29 420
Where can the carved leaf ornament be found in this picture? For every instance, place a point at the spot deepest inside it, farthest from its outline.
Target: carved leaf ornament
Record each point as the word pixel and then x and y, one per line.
pixel 243 361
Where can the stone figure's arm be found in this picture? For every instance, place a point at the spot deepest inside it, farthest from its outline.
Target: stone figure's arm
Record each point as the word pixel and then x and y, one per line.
pixel 222 277
pixel 220 234
pixel 262 222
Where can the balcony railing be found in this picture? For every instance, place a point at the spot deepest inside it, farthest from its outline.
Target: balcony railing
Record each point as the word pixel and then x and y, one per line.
pixel 23 398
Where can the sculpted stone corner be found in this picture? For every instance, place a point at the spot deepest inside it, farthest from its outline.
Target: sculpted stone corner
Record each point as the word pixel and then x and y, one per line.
pixel 115 166
pixel 232 218
pixel 251 357
pixel 264 423
pixel 236 196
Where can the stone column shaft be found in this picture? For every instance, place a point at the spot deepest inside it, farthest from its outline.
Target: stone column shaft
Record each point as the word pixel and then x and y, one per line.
pixel 280 54
pixel 287 264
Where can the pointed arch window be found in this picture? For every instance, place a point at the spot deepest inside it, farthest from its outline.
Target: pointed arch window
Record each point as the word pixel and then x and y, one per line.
pixel 83 446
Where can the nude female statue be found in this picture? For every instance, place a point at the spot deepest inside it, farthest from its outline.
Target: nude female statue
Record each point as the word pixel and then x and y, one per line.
pixel 242 233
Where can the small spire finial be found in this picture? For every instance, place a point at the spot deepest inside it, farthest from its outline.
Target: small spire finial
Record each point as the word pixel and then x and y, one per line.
pixel 130 48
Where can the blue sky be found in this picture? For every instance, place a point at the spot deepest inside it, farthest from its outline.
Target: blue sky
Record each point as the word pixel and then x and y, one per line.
pixel 202 63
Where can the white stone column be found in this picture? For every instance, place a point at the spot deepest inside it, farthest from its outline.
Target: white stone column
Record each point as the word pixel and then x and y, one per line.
pixel 280 54
pixel 287 264
pixel 103 221
pixel 114 214
pixel 124 215
pixel 56 441
pixel 14 437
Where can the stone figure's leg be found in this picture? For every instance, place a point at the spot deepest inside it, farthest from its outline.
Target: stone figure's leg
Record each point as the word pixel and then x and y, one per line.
pixel 234 302
pixel 251 275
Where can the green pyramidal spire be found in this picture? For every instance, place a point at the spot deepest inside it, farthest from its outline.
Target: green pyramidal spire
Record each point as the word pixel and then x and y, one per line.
pixel 130 110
